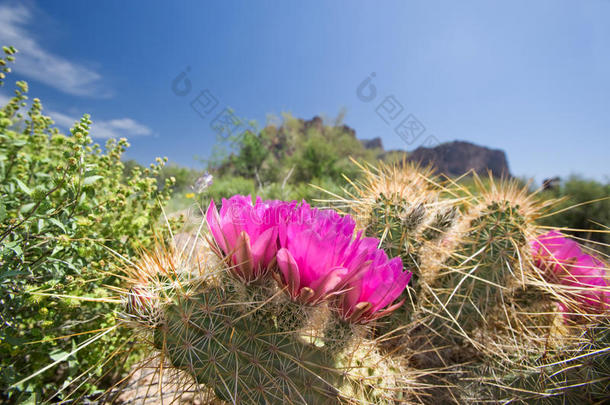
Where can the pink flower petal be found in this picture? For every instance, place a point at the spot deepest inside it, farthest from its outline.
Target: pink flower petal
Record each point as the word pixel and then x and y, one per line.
pixel 328 283
pixel 290 270
pixel 242 258
pixel 213 221
pixel 265 248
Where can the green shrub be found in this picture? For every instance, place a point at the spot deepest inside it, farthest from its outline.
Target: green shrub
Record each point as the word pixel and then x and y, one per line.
pixel 64 203
pixel 297 150
pixel 228 186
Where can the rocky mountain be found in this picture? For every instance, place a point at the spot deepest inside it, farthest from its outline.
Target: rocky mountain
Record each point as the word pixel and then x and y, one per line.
pixel 374 143
pixel 458 157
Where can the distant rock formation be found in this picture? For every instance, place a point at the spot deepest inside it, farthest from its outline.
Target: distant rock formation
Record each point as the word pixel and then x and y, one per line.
pixel 374 143
pixel 551 183
pixel 458 157
pixel 316 122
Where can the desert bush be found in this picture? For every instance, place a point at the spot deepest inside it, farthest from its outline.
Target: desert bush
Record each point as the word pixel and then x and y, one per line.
pixel 65 207
pixel 226 187
pixel 306 150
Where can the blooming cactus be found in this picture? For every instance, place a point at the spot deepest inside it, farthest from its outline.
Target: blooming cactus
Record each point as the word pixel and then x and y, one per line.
pixel 564 260
pixel 316 253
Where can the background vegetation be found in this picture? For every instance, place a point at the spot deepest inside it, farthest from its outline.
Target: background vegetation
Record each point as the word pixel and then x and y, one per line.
pixel 284 161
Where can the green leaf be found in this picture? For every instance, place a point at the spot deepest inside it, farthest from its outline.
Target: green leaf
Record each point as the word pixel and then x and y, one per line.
pixel 56 222
pixel 57 355
pixel 26 207
pixel 11 274
pixel 2 211
pixel 23 187
pixel 91 179
pixel 14 247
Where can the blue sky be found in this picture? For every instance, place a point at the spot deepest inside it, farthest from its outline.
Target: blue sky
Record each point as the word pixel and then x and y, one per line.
pixel 532 78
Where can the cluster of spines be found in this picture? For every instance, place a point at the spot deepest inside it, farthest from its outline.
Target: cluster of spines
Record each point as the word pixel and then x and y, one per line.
pixel 396 223
pixel 486 262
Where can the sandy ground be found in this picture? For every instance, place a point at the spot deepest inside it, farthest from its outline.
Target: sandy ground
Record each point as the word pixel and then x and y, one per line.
pixel 143 388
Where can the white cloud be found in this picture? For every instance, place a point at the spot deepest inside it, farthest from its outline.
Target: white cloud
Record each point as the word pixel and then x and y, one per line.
pixel 104 129
pixel 36 62
pixel 121 127
pixel 61 120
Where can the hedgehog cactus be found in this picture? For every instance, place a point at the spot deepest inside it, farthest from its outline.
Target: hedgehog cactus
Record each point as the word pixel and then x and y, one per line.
pixel 238 349
pixel 279 321
pixel 494 297
pixel 402 206
pixel 483 301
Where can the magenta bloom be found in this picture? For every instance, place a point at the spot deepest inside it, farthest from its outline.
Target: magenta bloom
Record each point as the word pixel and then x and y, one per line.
pixel 371 295
pixel 564 261
pixel 553 248
pixel 247 234
pixel 318 257
pixel 321 259
pixel 315 252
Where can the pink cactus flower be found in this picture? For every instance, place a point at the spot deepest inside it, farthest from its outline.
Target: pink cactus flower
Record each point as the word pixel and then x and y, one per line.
pixel 371 295
pixel 588 275
pixel 316 253
pixel 553 248
pixel 564 261
pixel 315 249
pixel 321 259
pixel 247 234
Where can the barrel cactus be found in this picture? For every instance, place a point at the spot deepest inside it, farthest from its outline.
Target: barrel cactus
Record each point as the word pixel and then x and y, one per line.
pixel 489 261
pixel 274 307
pixel 402 206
